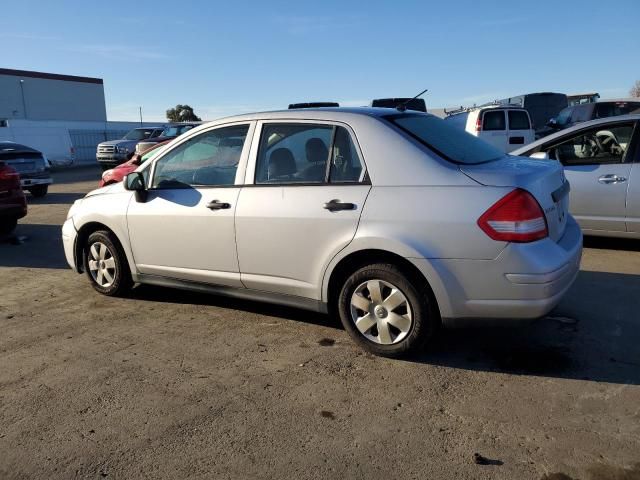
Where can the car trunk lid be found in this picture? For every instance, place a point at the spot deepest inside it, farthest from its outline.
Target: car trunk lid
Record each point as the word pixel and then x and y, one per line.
pixel 544 179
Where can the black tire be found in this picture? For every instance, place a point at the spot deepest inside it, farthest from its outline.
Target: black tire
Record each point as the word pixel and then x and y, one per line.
pixel 39 191
pixel 121 275
pixel 8 225
pixel 419 303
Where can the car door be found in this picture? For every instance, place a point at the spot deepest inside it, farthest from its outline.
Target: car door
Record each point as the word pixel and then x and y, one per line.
pixel 308 187
pixel 185 227
pixel 494 128
pixel 598 167
pixel 519 131
pixel 633 190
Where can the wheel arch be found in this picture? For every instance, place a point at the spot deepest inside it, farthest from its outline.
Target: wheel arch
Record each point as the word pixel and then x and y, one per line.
pixel 348 263
pixel 83 234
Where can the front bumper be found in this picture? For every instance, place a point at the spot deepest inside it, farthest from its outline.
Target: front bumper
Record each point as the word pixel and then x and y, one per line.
pixel 69 237
pixel 112 159
pixel 526 281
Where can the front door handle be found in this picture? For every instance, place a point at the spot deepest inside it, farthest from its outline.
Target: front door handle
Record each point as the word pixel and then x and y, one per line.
pixel 335 205
pixel 216 205
pixel 611 178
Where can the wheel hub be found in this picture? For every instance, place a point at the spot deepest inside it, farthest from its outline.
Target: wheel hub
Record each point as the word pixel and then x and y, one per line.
pixel 380 311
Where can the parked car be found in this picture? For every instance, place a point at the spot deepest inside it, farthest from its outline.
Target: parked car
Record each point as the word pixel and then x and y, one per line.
pixel 601 160
pixel 592 111
pixel 541 107
pixel 394 221
pixel 13 205
pixel 505 128
pixel 116 174
pixel 114 152
pixel 32 165
pixel 169 133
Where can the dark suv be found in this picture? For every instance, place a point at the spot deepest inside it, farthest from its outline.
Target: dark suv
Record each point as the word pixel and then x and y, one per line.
pixel 592 111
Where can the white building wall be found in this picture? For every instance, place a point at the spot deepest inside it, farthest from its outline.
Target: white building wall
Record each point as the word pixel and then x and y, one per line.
pixel 45 96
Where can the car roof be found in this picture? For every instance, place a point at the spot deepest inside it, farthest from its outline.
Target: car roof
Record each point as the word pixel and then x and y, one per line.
pixel 9 145
pixel 575 128
pixel 324 113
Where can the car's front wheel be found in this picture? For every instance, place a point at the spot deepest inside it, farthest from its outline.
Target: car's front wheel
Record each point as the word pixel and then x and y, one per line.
pixel 39 190
pixel 106 265
pixel 386 311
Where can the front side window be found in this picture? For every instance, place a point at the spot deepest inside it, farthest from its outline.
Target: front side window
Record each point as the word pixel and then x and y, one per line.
pixel 493 120
pixel 518 120
pixel 208 159
pixel 451 143
pixel 600 145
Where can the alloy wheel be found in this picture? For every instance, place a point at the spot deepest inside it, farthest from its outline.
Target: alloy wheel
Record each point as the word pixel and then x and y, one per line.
pixel 102 265
pixel 381 312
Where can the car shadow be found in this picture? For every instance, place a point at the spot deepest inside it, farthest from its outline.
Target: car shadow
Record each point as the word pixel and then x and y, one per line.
pixel 75 174
pixel 33 246
pixel 592 335
pixel 184 297
pixel 611 243
pixel 55 198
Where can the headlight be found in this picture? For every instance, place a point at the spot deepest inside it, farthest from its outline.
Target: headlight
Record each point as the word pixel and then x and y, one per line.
pixel 122 150
pixel 74 208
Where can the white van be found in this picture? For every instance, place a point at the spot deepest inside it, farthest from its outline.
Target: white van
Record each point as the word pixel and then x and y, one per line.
pixel 506 128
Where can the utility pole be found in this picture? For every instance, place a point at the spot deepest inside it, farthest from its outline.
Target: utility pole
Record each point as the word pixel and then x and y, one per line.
pixel 24 104
pixel 140 110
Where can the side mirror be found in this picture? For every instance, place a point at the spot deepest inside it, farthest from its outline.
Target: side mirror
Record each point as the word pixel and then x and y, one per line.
pixel 135 183
pixel 540 155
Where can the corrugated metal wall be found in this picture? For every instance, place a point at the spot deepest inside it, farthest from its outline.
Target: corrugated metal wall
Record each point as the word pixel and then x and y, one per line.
pixel 85 142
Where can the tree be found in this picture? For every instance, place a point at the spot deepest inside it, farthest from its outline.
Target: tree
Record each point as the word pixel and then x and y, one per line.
pixel 182 113
pixel 635 90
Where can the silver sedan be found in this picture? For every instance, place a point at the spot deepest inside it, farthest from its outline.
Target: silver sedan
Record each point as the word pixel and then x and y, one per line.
pixel 601 159
pixel 393 221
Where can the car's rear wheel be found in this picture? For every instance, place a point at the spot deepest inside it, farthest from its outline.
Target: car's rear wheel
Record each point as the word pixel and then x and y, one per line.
pixel 387 312
pixel 8 225
pixel 106 265
pixel 39 190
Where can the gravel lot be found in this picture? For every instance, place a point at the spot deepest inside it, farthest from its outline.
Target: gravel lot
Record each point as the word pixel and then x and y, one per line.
pixel 169 384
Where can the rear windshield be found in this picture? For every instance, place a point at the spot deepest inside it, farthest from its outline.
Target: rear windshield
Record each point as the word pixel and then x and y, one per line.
pixel 451 143
pixel 518 120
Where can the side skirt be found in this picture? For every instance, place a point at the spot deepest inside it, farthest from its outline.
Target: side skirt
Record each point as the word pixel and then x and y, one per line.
pixel 240 293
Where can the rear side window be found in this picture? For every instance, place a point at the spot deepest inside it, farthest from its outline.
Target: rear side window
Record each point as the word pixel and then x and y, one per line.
pixel 451 143
pixel 518 120
pixel 493 120
pixel 299 153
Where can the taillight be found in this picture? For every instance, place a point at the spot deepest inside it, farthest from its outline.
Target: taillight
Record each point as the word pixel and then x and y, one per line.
pixel 516 217
pixel 10 176
pixel 479 124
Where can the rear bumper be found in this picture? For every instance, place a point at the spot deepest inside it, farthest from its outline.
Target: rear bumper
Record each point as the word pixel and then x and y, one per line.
pixel 69 237
pixel 12 211
pixel 525 281
pixel 28 181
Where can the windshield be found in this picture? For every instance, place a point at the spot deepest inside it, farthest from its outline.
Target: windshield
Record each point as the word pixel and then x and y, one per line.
pixel 176 130
pixel 138 134
pixel 451 143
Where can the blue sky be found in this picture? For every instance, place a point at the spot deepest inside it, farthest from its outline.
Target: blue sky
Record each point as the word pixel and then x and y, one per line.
pixel 230 57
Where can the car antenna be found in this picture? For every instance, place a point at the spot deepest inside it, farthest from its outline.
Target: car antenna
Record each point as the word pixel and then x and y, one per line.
pixel 403 106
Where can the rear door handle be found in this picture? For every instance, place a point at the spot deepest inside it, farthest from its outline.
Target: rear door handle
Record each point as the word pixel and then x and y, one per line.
pixel 611 178
pixel 335 205
pixel 216 205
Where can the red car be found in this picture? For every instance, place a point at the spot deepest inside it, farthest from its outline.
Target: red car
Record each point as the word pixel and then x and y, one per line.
pixel 117 174
pixel 13 204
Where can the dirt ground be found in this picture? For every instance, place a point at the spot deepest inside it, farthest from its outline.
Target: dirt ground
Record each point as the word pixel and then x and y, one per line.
pixel 169 384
